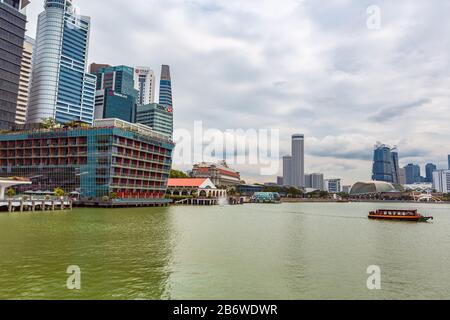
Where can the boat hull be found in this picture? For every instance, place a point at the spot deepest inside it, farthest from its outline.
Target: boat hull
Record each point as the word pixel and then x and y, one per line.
pixel 400 218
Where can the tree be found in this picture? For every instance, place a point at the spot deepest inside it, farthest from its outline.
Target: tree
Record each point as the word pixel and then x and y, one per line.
pixel 294 192
pixel 59 192
pixel 272 189
pixel 113 195
pixel 10 192
pixel 176 174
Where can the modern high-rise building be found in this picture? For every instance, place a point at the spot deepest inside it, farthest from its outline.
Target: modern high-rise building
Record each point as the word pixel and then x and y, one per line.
pixel 317 181
pixel 61 88
pixel 112 105
pixel 113 156
pixel 12 23
pixel 385 164
pixel 314 181
pixel 157 116
pixel 94 67
pixel 144 83
pixel 395 166
pixel 333 185
pixel 25 81
pixel 165 87
pixel 287 171
pixel 402 176
pixel 120 79
pixel 412 173
pixel 449 162
pixel 430 168
pixel 441 181
pixel 115 96
pixel 298 160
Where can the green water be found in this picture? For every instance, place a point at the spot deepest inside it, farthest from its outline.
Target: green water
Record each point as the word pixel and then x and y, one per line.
pixel 288 251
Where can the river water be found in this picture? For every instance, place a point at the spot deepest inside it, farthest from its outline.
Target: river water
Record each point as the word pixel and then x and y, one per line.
pixel 286 251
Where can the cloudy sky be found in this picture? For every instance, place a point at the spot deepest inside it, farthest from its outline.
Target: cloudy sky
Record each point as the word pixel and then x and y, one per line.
pixel 300 66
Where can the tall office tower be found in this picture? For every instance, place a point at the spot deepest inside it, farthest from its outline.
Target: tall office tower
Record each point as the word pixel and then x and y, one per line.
pixel 383 167
pixel 115 96
pixel 429 169
pixel 298 160
pixel 395 166
pixel 287 171
pixel 165 87
pixel 12 23
pixel 156 116
pixel 441 181
pixel 402 176
pixel 412 173
pixel 144 83
pixel 308 180
pixel 25 81
pixel 449 162
pixel 60 86
pixel 317 181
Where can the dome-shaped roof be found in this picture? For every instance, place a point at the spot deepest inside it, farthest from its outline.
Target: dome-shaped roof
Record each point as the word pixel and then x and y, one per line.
pixel 372 187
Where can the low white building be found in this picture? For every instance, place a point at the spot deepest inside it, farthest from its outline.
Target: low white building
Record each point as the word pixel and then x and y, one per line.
pixel 441 181
pixel 198 187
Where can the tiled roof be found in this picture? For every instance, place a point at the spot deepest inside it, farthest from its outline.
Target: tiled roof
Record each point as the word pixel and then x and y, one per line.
pixel 186 182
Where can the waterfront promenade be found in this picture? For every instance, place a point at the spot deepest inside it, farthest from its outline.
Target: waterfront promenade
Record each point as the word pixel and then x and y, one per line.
pixel 33 205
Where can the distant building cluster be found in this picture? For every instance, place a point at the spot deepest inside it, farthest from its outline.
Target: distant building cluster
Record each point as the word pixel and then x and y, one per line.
pixel 48 78
pixel 386 168
pixel 294 171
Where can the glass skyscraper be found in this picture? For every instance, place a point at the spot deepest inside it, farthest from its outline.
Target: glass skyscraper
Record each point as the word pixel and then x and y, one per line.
pixel 115 96
pixel 429 169
pixel 156 116
pixel 165 87
pixel 385 164
pixel 12 23
pixel 412 172
pixel 61 88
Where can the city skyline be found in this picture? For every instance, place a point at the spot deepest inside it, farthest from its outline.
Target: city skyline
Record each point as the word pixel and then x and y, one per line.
pixel 342 89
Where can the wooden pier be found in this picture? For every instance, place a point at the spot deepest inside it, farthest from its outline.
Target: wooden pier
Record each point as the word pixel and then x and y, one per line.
pixel 14 205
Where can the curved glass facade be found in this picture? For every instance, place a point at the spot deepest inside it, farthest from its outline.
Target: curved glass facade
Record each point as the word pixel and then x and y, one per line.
pixel 61 88
pixel 362 188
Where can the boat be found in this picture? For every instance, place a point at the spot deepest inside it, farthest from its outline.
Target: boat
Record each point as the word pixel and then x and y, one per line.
pixel 398 215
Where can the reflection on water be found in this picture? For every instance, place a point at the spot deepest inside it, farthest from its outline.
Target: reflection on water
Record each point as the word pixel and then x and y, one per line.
pixel 288 251
pixel 123 254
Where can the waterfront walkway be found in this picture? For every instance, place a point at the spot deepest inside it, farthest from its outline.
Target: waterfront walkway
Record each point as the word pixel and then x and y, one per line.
pixel 15 205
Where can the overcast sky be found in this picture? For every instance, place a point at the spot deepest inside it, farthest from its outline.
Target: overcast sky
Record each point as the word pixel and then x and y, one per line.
pixel 311 67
